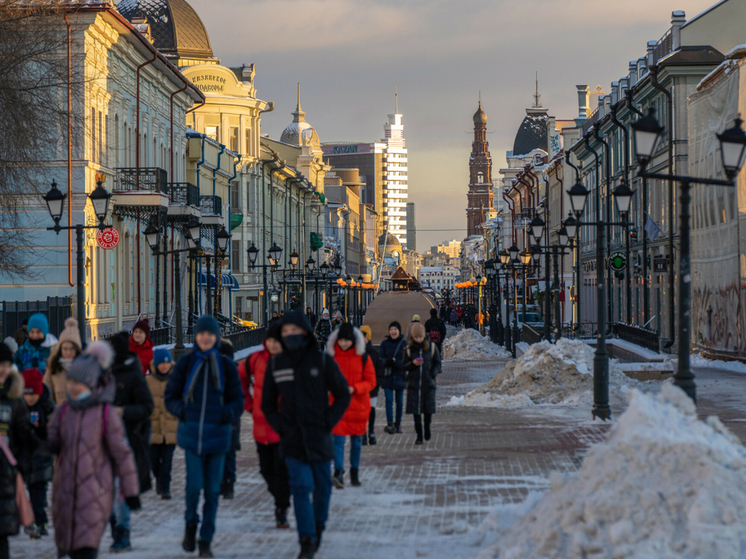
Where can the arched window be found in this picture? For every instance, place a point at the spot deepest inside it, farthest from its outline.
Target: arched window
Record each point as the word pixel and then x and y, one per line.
pixel 480 177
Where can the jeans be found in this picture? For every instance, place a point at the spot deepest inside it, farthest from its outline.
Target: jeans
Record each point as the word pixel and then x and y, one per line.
pixel 356 448
pixel 203 472
pixel 121 510
pixel 161 457
pixel 84 553
pixel 390 405
pixel 38 494
pixel 229 472
pixel 308 478
pixel 275 473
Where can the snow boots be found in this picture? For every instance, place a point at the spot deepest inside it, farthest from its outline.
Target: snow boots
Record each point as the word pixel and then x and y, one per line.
pixel 389 429
pixel 418 429
pixel 121 541
pixel 354 479
pixel 372 438
pixel 204 549
pixel 226 490
pixel 319 533
pixel 307 548
pixel 397 428
pixel 190 534
pixel 281 518
pixel 338 479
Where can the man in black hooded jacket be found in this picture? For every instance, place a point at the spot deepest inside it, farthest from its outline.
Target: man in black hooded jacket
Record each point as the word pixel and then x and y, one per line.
pixel 295 401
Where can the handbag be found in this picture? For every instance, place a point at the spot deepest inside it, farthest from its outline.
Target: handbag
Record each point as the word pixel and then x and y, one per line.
pixel 23 503
pixel 388 371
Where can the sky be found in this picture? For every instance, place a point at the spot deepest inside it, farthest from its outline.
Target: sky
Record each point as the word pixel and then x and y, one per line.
pixel 350 55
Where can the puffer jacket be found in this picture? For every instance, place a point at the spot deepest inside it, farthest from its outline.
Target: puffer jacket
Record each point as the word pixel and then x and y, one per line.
pixel 421 378
pixel 206 414
pixel 393 349
pixel 359 372
pixel 42 461
pixel 263 433
pixel 323 329
pixel 91 450
pixel 15 423
pixel 163 425
pixel 30 357
pixel 9 523
pixel 144 353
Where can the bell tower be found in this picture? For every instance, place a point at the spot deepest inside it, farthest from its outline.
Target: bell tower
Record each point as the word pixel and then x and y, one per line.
pixel 481 197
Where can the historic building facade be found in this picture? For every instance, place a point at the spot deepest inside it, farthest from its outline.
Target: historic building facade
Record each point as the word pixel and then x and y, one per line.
pixel 480 199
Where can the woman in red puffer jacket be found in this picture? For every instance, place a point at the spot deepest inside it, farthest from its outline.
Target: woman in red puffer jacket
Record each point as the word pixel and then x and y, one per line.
pixel 347 346
pixel 271 463
pixel 141 344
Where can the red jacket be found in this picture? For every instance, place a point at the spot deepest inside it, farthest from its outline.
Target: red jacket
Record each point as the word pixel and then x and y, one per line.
pixel 263 433
pixel 362 379
pixel 144 353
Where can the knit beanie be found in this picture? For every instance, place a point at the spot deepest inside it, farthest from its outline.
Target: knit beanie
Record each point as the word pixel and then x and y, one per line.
pixel 395 324
pixel 161 355
pixel 325 312
pixel 71 333
pixel 367 332
pixel 143 325
pixel 11 343
pixel 417 330
pixel 32 381
pixel 207 323
pixel 275 331
pixel 5 354
pixel 120 343
pixel 338 315
pixel 88 367
pixel 416 318
pixel 346 332
pixel 39 321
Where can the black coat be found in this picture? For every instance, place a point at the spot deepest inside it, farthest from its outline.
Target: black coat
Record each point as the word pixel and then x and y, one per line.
pixel 42 461
pixel 134 397
pixel 9 523
pixel 322 330
pixel 434 323
pixel 421 378
pixel 15 423
pixel 391 353
pixel 376 359
pixel 295 401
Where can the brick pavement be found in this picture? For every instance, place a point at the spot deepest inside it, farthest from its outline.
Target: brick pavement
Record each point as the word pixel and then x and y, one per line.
pixel 416 501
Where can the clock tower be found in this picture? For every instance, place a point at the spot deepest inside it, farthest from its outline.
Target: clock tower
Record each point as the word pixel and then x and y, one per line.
pixel 481 197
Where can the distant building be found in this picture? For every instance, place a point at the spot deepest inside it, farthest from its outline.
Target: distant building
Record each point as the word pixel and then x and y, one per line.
pixel 411 229
pixel 439 277
pixel 451 248
pixel 480 197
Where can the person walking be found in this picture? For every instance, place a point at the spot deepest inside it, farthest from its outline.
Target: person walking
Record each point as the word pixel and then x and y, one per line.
pixel 34 353
pixel 88 436
pixel 21 334
pixel 296 404
pixel 323 328
pixel 394 379
pixel 415 320
pixel 229 470
pixel 10 523
pixel 311 317
pixel 454 318
pixel 141 345
pixel 422 363
pixel 204 393
pixel 338 319
pixel 61 357
pixel 271 463
pixel 40 409
pixel 135 406
pixel 459 314
pixel 163 425
pixel 347 346
pixel 372 352
pixel 435 330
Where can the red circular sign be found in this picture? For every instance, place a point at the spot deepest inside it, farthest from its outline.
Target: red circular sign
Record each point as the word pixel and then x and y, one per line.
pixel 108 238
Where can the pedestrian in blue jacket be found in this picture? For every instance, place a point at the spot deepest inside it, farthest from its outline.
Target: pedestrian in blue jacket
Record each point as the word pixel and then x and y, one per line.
pixel 204 393
pixel 33 354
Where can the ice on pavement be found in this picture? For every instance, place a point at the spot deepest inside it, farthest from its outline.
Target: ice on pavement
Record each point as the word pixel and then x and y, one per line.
pixel 734 366
pixel 663 485
pixel 560 373
pixel 470 345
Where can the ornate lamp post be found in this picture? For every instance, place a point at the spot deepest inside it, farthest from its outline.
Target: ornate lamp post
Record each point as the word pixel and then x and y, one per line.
pixel 274 259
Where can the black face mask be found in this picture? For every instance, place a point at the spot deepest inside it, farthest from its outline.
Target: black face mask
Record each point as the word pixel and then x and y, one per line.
pixel 294 342
pixel 36 343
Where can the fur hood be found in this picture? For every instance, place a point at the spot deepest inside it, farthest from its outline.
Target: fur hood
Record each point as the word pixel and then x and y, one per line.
pixel 331 343
pixel 16 384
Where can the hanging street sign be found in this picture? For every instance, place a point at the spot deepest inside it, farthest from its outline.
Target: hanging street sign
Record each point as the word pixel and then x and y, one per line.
pixel 618 261
pixel 108 238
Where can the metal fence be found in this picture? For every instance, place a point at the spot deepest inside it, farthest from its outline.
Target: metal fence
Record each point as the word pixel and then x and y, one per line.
pixel 183 193
pixel 161 336
pixel 57 310
pixel 637 335
pixel 133 179
pixel 580 330
pixel 243 339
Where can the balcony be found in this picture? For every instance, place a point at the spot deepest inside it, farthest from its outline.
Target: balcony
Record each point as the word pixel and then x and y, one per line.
pixel 140 192
pixel 211 208
pixel 184 201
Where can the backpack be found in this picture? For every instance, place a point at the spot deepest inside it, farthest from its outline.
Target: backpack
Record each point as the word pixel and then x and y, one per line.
pixel 434 335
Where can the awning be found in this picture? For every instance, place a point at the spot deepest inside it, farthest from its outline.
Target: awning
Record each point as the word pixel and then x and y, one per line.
pixel 227 281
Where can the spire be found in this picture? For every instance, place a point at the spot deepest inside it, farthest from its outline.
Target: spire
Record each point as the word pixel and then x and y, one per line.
pixel 396 100
pixel 537 97
pixel 298 115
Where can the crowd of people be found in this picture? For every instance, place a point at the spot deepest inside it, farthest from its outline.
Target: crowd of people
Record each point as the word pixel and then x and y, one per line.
pixel 102 420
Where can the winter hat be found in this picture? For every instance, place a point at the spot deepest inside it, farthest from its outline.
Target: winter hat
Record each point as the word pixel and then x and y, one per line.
pixel 32 381
pixel 365 329
pixel 338 315
pixel 161 355
pixel 395 323
pixel 11 343
pixel 433 313
pixel 5 354
pixel 416 318
pixel 417 330
pixel 120 343
pixel 71 333
pixel 274 331
pixel 88 367
pixel 346 332
pixel 226 347
pixel 295 317
pixel 207 323
pixel 325 312
pixel 39 321
pixel 143 325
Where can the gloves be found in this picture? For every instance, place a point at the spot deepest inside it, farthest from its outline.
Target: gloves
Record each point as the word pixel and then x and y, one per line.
pixel 133 503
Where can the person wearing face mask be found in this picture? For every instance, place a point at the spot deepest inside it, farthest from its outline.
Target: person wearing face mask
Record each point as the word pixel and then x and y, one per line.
pixel 296 403
pixel 34 353
pixel 62 355
pixel 422 363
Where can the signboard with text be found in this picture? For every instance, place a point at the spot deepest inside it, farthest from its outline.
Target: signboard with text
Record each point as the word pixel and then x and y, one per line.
pixel 108 238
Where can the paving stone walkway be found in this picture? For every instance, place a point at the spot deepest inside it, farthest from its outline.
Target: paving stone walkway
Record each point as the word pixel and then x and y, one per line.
pixel 416 501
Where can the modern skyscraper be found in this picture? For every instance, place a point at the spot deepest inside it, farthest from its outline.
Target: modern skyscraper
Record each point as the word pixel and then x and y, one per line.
pixel 481 196
pixel 411 228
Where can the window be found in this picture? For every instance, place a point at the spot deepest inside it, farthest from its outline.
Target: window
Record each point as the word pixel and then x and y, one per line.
pixel 93 134
pixel 212 132
pixel 100 136
pixel 236 256
pixel 234 139
pixel 235 201
pixel 247 145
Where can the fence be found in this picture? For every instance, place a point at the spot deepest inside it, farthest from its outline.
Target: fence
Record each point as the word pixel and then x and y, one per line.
pixel 161 336
pixel 183 193
pixel 243 339
pixel 150 179
pixel 580 330
pixel 637 335
pixel 57 310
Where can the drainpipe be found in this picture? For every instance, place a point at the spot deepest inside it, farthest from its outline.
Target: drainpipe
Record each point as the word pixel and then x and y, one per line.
pixel 230 252
pixel 70 159
pixel 598 201
pixel 671 297
pixel 511 204
pixel 560 180
pixel 578 267
pixel 627 280
pixel 264 164
pixel 609 298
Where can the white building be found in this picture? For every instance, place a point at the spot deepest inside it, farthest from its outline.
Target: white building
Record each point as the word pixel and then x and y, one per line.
pixel 438 277
pixel 395 176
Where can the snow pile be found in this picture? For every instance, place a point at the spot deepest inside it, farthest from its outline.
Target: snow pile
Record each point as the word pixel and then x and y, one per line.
pixel 470 345
pixel 697 360
pixel 451 331
pixel 560 373
pixel 664 485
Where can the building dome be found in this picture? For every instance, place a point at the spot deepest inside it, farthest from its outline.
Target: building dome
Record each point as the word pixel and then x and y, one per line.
pixel 391 242
pixel 299 132
pixel 532 133
pixel 176 29
pixel 480 117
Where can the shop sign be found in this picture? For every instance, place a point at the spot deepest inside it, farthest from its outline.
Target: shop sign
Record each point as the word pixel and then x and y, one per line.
pixel 660 264
pixel 108 238
pixel 618 261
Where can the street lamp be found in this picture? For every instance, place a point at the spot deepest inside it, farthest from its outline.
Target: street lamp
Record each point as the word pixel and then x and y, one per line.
pixel 55 201
pixel 274 258
pixel 733 155
pixel 274 255
pixel 294 259
pixel 223 238
pixel 537 228
pixel 578 197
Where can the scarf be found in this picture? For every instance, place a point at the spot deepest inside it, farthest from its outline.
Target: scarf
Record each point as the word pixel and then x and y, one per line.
pixel 211 360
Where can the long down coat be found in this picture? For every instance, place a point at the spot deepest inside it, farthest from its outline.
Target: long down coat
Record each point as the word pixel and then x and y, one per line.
pixel 361 377
pixel 421 378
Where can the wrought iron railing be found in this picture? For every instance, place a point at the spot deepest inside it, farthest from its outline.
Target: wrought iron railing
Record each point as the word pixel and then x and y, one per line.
pixel 243 339
pixel 150 179
pixel 637 335
pixel 13 313
pixel 161 336
pixel 211 205
pixel 580 330
pixel 183 193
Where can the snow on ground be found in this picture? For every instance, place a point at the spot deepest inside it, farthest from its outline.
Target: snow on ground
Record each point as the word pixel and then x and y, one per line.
pixel 451 330
pixel 664 484
pixel 470 345
pixel 560 373
pixel 734 366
